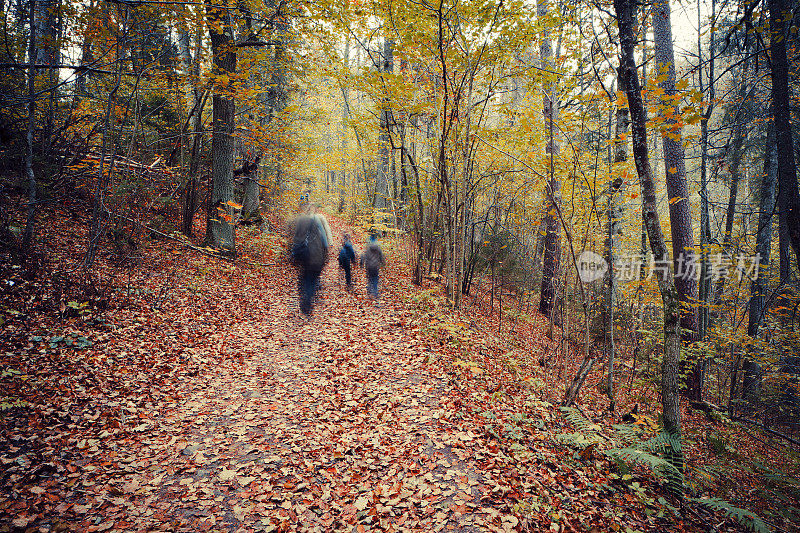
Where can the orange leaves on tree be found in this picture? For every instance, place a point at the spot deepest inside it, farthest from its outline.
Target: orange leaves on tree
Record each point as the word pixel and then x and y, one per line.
pixel 675 199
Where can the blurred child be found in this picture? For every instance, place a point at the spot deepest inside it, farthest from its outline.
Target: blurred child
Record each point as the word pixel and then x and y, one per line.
pixel 372 260
pixel 347 256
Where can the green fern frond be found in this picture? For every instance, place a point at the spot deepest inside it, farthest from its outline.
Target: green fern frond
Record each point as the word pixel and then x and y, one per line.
pixel 711 473
pixel 746 518
pixel 580 422
pixel 662 442
pixel 634 455
pixel 628 433
pixel 661 453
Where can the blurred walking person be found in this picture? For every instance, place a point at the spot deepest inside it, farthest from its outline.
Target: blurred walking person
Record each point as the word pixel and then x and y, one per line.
pixel 347 256
pixel 310 244
pixel 372 260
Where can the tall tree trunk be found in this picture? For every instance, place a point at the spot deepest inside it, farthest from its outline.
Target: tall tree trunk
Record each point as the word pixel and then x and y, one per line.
pixel 704 289
pixel 27 237
pixel 552 240
pixel 614 214
pixel 45 25
pixel 643 229
pixel 670 398
pixel 220 231
pixel 608 302
pixel 788 198
pixel 446 123
pixel 461 187
pixel 766 210
pixel 680 212
pixel 199 97
pixel 384 140
pixel 420 213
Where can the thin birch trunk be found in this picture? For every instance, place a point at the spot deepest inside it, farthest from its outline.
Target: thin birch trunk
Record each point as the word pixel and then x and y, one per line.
pixel 614 214
pixel 670 398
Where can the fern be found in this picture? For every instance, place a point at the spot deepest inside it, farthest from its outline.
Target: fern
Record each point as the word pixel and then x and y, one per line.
pixel 635 455
pixel 661 453
pixel 744 517
pixel 577 419
pixel 663 442
pixel 628 433
pixel 712 472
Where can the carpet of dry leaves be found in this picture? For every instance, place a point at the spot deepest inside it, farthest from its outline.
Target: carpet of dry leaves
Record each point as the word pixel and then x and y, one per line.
pixel 205 402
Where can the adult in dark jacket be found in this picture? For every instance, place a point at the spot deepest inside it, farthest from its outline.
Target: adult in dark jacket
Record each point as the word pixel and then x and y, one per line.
pixel 310 253
pixel 347 256
pixel 372 260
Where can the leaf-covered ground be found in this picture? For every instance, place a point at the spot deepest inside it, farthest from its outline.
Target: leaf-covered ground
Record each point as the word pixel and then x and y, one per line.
pixel 200 400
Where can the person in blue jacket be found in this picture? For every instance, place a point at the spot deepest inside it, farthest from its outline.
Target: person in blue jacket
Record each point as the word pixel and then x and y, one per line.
pixel 347 256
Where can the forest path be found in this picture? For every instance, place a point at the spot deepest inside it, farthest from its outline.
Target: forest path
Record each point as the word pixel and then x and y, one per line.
pixel 205 402
pixel 320 424
pixel 327 424
pixel 213 405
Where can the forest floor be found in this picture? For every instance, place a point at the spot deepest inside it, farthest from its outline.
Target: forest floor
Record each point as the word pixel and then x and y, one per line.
pixel 189 394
